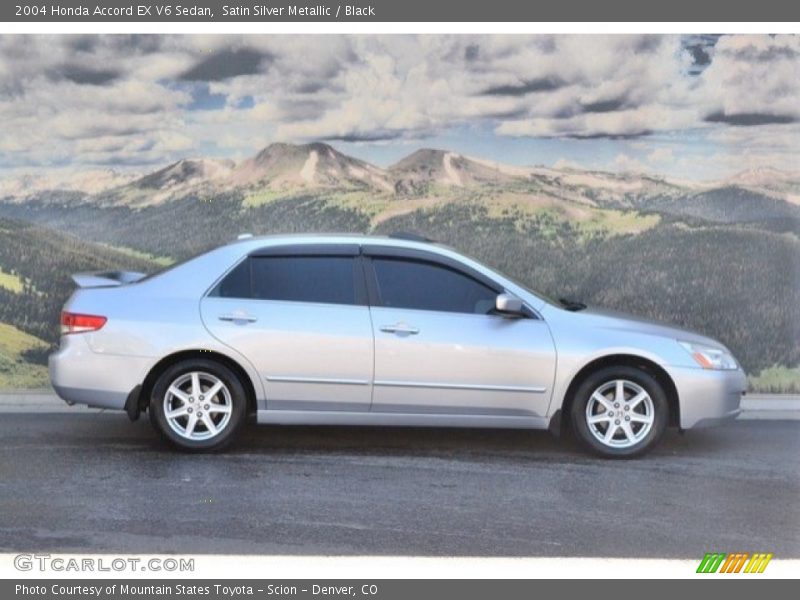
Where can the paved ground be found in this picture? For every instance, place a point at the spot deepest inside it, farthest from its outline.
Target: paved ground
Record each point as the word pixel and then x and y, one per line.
pixel 93 481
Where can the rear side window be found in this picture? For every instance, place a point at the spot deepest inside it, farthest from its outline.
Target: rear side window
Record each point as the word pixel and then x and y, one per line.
pixel 426 286
pixel 327 279
pixel 236 283
pixel 322 279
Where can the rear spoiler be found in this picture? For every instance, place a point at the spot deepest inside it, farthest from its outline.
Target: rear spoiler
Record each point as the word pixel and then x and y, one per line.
pixel 106 278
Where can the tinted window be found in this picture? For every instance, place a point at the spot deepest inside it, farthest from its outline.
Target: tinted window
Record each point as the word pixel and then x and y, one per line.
pixel 425 286
pixel 236 283
pixel 327 279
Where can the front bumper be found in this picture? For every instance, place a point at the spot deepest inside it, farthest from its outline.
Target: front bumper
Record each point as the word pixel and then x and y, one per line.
pixel 79 375
pixel 708 397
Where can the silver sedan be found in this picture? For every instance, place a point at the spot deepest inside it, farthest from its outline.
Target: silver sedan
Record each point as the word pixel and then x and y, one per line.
pixel 356 330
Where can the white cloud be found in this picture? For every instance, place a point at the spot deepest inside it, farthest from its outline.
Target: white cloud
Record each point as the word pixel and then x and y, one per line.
pixel 565 163
pixel 122 99
pixel 660 155
pixel 628 164
pixel 755 74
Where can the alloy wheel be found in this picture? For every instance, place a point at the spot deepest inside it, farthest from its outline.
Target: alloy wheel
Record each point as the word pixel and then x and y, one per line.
pixel 620 413
pixel 198 405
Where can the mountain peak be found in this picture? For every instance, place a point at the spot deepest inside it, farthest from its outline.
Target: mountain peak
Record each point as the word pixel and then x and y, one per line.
pixel 283 149
pixel 281 166
pixel 427 167
pixel 185 171
pixel 764 175
pixel 423 156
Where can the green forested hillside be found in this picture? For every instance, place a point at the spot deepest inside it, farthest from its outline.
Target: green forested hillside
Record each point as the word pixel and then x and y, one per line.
pixel 735 284
pixel 43 260
pixel 734 281
pixel 187 226
pixel 732 205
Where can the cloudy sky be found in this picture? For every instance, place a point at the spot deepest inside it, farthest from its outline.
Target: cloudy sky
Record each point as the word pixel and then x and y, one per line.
pixel 695 107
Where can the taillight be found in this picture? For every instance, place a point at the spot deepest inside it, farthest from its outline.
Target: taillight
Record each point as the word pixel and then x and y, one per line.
pixel 76 323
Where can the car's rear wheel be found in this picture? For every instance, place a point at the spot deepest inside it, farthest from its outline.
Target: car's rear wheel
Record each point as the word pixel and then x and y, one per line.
pixel 198 405
pixel 620 412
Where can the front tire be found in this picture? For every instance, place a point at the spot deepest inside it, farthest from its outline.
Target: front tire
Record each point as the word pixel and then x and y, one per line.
pixel 198 405
pixel 620 412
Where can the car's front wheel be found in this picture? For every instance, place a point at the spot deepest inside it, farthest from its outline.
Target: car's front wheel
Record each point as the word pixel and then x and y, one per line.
pixel 198 405
pixel 620 412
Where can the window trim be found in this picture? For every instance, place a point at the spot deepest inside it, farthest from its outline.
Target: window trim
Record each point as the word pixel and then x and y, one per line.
pixel 304 250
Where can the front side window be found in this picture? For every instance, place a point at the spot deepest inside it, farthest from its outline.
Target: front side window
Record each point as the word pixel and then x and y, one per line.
pixel 320 279
pixel 426 286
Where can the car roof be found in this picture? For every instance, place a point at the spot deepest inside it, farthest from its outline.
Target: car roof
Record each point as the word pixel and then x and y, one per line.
pixel 398 241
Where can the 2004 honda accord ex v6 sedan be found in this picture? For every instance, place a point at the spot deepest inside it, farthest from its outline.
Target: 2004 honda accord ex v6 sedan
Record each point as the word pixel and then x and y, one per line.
pixel 354 330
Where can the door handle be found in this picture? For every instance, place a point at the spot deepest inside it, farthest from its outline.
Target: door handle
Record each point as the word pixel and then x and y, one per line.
pixel 400 328
pixel 236 316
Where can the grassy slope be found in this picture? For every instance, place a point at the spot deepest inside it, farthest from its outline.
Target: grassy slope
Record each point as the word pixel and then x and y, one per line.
pixel 10 281
pixel 777 380
pixel 15 371
pixel 162 261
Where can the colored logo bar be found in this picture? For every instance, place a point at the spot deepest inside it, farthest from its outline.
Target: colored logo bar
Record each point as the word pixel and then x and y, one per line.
pixel 737 562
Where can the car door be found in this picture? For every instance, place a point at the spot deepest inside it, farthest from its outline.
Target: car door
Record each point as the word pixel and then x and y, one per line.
pixel 300 315
pixel 441 348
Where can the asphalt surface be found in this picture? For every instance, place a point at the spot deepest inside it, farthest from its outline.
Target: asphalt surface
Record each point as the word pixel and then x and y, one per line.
pixel 95 482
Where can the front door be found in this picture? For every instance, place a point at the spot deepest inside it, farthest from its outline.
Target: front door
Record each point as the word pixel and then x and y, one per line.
pixel 441 348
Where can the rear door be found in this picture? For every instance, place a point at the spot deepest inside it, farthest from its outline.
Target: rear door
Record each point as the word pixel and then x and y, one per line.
pixel 441 348
pixel 300 315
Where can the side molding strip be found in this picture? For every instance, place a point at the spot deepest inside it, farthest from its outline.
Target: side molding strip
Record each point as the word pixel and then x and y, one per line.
pixel 323 380
pixel 461 386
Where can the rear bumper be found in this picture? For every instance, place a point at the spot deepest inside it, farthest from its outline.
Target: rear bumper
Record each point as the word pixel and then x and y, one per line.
pixel 708 397
pixel 81 376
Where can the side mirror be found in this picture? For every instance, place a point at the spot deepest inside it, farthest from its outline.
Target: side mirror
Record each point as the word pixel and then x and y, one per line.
pixel 508 304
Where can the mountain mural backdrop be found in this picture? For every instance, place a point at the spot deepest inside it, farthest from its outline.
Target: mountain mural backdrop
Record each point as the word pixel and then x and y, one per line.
pixel 719 257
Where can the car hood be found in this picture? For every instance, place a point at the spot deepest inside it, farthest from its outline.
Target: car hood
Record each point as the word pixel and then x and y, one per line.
pixel 620 321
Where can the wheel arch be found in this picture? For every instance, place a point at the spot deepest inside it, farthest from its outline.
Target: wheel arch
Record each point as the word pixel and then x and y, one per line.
pixel 623 360
pixel 162 365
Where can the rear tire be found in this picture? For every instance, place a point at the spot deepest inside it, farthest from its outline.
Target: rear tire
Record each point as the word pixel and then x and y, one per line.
pixel 620 412
pixel 198 405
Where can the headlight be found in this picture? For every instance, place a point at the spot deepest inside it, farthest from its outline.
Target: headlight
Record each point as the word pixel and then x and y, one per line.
pixel 710 357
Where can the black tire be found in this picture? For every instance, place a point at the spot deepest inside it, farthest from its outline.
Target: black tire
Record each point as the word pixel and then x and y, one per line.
pixel 605 376
pixel 237 398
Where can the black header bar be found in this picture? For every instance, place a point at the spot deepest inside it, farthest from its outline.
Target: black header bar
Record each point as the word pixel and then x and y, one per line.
pixel 472 11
